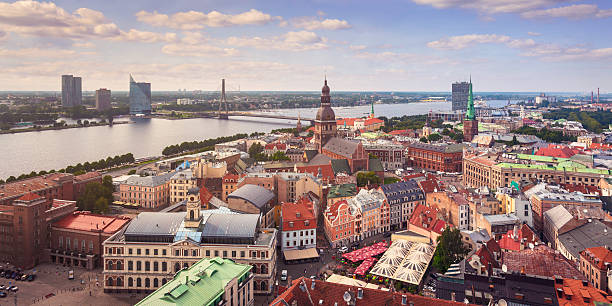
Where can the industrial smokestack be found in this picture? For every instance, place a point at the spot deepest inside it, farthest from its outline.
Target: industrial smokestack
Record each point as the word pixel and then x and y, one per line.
pixel 597 94
pixel 591 96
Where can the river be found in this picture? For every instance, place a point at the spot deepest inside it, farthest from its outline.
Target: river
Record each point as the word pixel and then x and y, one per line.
pixel 56 149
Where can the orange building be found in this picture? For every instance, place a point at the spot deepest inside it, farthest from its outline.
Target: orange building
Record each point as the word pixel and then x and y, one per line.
pixel 595 264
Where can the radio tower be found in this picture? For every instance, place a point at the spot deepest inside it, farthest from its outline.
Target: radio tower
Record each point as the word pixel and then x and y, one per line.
pixel 223 101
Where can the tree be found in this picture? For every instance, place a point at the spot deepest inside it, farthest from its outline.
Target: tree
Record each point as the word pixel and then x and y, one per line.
pixel 133 171
pixel 255 149
pixel 97 196
pixel 434 137
pixel 372 156
pixel 423 139
pixel 279 155
pixel 365 178
pixel 450 249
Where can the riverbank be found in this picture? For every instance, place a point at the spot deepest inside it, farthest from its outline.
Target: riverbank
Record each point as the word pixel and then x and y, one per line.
pixel 51 128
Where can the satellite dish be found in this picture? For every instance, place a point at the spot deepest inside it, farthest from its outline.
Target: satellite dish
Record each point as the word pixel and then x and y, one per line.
pixel 502 302
pixel 531 246
pixel 505 268
pixel 346 297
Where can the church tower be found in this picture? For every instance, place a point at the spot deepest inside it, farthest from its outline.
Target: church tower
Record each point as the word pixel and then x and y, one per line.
pixel 193 218
pixel 470 124
pixel 325 122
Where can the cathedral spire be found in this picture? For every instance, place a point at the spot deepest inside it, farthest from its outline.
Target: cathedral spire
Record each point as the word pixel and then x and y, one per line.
pixel 471 113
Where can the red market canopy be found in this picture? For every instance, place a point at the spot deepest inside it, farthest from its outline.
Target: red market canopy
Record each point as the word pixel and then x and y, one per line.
pixel 366 252
pixel 365 266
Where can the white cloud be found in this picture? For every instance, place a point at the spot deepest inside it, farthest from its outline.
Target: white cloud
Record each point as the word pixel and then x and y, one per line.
pixel 147 37
pixel 491 6
pixel 534 33
pixel 36 53
pixel 357 47
pixel 86 45
pixel 528 47
pixel 195 44
pixel 464 41
pixel 192 20
pixel 575 11
pixel 311 23
pixel 291 41
pixel 46 19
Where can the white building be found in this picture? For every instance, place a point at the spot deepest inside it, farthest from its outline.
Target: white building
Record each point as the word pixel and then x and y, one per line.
pixel 299 225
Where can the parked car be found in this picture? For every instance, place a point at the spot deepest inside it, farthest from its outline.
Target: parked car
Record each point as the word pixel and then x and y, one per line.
pixel 343 249
pixel 24 277
pixel 2 294
pixel 1 287
pixel 284 275
pixel 14 288
pixel 31 277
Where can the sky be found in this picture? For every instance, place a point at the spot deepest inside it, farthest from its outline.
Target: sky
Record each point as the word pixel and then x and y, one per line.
pixel 289 45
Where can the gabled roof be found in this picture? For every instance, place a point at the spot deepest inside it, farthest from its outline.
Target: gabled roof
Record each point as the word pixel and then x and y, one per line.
pixel 512 243
pixel 599 255
pixel 29 197
pixel 427 218
pixel 340 166
pixel 304 293
pixel 341 146
pixel 542 261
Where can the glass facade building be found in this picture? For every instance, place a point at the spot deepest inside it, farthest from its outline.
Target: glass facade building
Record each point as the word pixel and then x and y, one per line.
pixel 140 98
pixel 71 91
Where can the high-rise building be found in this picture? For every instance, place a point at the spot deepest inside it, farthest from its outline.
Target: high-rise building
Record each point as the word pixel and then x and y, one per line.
pixel 103 99
pixel 140 97
pixel 71 91
pixel 460 95
pixel 470 124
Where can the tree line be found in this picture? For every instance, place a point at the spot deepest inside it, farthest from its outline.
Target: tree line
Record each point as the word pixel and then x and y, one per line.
pixel 79 168
pixel 545 134
pixel 198 145
pixel 592 121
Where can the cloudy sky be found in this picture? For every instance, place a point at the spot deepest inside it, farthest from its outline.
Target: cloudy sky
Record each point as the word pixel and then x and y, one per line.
pixel 403 45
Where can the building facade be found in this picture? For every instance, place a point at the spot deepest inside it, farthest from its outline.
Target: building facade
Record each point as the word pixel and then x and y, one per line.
pixel 148 191
pixel 436 157
pixel 391 155
pixel 140 98
pixel 71 91
pixel 76 240
pixel 298 225
pixel 180 183
pixel 403 198
pixel 103 99
pixel 155 246
pixel 594 265
pixel 460 92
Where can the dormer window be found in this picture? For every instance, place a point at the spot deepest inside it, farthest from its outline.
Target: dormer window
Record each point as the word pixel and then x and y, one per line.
pixel 307 222
pixel 290 224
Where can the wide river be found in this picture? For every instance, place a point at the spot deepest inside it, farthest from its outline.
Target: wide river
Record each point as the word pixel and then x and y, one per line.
pixel 56 149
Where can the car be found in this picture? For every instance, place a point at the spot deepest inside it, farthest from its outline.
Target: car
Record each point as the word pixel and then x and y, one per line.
pixel 1 287
pixel 284 275
pixel 14 288
pixel 2 294
pixel 24 277
pixel 343 249
pixel 31 277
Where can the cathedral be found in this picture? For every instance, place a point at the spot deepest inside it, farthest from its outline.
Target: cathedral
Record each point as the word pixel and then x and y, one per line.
pixel 340 152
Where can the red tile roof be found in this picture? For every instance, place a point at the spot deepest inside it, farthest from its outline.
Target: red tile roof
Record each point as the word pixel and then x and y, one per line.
pixel 29 197
pixel 332 211
pixel 88 222
pixel 88 176
pixel 543 261
pixel 429 186
pixel 328 294
pixel 373 121
pixel 326 170
pixel 298 213
pixel 19 188
pixel 205 196
pixel 229 177
pixel 398 132
pixel 598 256
pixel 557 151
pixel 349 121
pixel 427 218
pixel 511 243
pixel 578 292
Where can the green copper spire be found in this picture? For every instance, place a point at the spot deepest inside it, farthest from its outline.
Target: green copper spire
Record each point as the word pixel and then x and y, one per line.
pixel 372 113
pixel 471 113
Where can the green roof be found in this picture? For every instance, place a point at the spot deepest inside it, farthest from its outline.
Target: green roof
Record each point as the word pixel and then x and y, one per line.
pixel 342 190
pixel 541 158
pixel 201 284
pixel 570 168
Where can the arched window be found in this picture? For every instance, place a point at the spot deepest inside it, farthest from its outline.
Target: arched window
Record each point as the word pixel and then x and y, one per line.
pixel 264 285
pixel 191 215
pixel 155 283
pixel 155 266
pixel 119 281
pixel 177 267
pixel 263 269
pixel 164 266
pixel 255 269
pixel 130 282
pixel 185 265
pixel 147 282
pixel 138 282
pixel 147 266
pixel 163 281
pixel 109 281
pixel 109 265
pixel 119 266
pixel 138 265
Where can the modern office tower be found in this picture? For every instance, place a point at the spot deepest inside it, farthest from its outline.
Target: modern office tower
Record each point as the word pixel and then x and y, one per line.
pixel 460 95
pixel 71 91
pixel 140 98
pixel 103 99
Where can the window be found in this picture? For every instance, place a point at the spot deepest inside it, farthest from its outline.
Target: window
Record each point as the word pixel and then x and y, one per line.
pixel 207 253
pixel 91 247
pixel 155 266
pixel 130 251
pixel 242 254
pixel 137 251
pixel 177 252
pixel 155 252
pixel 147 252
pixel 185 253
pixel 194 253
pixel 130 265
pixel 224 254
pixel 233 254
pixel 216 253
pixel 138 266
pixel 60 241
pixel 164 252
pixel 164 266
